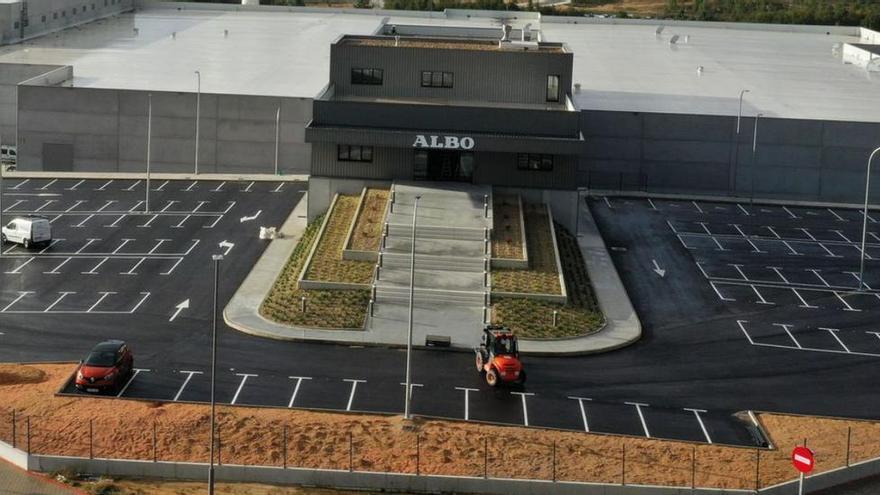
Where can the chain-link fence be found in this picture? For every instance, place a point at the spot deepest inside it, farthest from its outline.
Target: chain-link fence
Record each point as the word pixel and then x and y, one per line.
pixel 386 446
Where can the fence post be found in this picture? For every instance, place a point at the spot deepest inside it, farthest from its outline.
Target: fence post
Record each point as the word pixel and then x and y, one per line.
pixel 623 467
pixel 485 457
pixel 757 470
pixel 694 468
pixel 91 435
pixel 350 453
pixel 219 445
pixel 418 456
pixel 555 318
pixel 302 307
pixel 13 428
pixel 848 443
pixel 155 442
pixel 486 205
pixel 28 432
pixel 284 447
pixel 554 461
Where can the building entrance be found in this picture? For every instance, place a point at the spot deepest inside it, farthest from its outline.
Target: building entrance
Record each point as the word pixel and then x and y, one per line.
pixel 442 165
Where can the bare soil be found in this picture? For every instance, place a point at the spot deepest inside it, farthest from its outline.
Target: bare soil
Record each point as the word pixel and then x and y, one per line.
pixel 256 436
pixel 507 230
pixel 541 277
pixel 367 232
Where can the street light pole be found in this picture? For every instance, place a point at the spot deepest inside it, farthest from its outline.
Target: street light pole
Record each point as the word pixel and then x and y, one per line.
pixel 2 169
pixel 409 335
pixel 198 115
pixel 149 145
pixel 735 165
pixel 217 258
pixel 754 159
pixel 739 114
pixel 865 220
pixel 277 136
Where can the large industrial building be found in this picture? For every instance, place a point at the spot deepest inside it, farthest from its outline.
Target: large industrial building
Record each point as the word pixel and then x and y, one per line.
pixel 505 98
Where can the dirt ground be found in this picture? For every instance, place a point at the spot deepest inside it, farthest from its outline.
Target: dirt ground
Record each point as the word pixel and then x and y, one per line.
pixel 278 437
pixel 158 487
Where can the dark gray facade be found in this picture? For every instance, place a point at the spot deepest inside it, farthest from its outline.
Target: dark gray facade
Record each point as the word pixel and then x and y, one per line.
pixel 500 113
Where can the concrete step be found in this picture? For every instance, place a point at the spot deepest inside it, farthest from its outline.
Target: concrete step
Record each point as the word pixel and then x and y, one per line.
pixel 429 262
pixel 400 295
pixel 404 231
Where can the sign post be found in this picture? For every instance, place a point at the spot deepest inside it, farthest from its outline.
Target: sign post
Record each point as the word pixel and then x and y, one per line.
pixel 804 461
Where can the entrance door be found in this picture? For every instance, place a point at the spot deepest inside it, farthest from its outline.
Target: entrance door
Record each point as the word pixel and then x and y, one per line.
pixel 454 166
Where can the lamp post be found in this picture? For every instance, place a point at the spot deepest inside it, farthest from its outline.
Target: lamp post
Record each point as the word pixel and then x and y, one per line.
pixel 739 114
pixel 149 145
pixel 865 220
pixel 735 163
pixel 754 159
pixel 217 259
pixel 198 115
pixel 277 136
pixel 409 335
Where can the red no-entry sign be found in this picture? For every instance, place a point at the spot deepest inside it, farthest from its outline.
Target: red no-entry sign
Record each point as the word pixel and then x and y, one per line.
pixel 802 459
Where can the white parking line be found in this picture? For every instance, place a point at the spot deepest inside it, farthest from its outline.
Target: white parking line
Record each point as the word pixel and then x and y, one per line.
pixel 131 187
pixel 159 243
pixel 793 251
pixel 248 188
pixel 859 249
pixel 354 384
pixel 847 305
pixel 99 301
pixel 168 272
pixel 17 269
pixel 124 242
pixel 145 295
pixel 700 420
pixel 47 203
pixel 804 303
pixel 106 204
pixel 838 217
pixel 83 222
pixel 754 247
pixel 525 409
pixel 787 328
pixel 876 334
pixel 148 222
pixel 17 202
pixel 739 270
pixel 697 207
pixel 77 203
pixel 778 271
pixel 712 236
pixel 18 186
pixel 169 205
pixel 61 296
pixel 136 206
pixel 51 245
pixel 161 187
pixel 191 186
pixel 244 377
pixel 94 270
pixel 211 226
pixel 830 252
pixel 299 380
pixel 21 295
pixel 189 375
pixel 793 216
pixel 195 242
pixel 55 270
pixel 180 224
pixel 88 243
pixel 838 232
pixel 116 222
pixel 467 403
pixel 761 299
pixel 133 376
pixel 772 231
pixel 720 296
pixel 833 332
pixel 280 185
pixel 583 411
pixel 219 188
pixel 639 406
pixel 105 185
pixel 46 186
pixel 872 234
pixel 132 270
pixel 745 211
pixel 816 273
pixel 607 202
pixel 73 187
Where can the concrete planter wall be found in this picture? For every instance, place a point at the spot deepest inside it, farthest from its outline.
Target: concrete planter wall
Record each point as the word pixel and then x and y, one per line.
pixel 314 248
pixel 353 254
pixel 522 263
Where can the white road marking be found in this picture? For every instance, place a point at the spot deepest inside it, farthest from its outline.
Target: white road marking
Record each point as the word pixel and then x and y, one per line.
pixel 21 295
pixel 131 187
pixel 872 234
pixel 583 411
pixel 168 272
pixel 73 187
pixel 411 385
pixel 51 245
pixel 467 406
pixel 226 245
pixel 700 420
pixel 746 212
pixel 195 242
pixel 219 188
pixel 838 217
pixel 17 202
pixel 804 303
pixel 47 185
pixel 772 231
pixel 876 334
pixel 720 296
pixel 793 216
pixel 161 187
pixel 124 242
pixel 17 269
pixel 697 207
pixel 138 305
pixel 712 236
pixel 199 206
pixel 148 222
pixel 278 189
pixel 833 332
pixel 55 270
pixel 787 328
pixel 525 409
pixel 845 303
pixel 189 375
pixel 743 328
pixel 252 217
pixel 674 231
pixel 108 203
pixel 94 270
pixel 607 202
pixel 859 249
pixel 170 203
pixel 778 271
pixel 354 384
pixel 793 251
pixel 132 270
pixel 805 231
pixel 816 273
pixel 299 380
pixel 700 266
pixel 83 222
pixel 136 206
pixel 99 301
pixel 18 186
pixel 639 406
pixel 77 203
pixel 761 297
pixel 739 270
pixel 159 242
pixel 88 243
pixel 845 238
pixel 61 296
pixel 133 376
pixel 212 225
pixel 116 222
pixel 229 207
pixel 47 203
pixel 177 309
pixel 244 377
pixel 248 188
pixel 105 185
pixel 830 252
pixel 180 225
pixel 191 186
pixel 754 247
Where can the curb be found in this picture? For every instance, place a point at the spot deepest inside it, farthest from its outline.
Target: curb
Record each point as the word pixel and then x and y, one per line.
pixel 154 176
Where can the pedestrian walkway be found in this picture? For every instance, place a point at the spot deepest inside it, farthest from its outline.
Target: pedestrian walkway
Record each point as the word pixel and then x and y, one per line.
pixel 451 263
pixel 14 481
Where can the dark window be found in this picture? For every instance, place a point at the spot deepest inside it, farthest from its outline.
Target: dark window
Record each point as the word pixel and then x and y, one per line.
pixel 350 153
pixel 15 25
pixel 432 79
pixel 367 76
pixel 74 11
pixel 101 357
pixel 552 88
pixel 532 161
pixel 44 18
pixel 63 13
pixel 54 15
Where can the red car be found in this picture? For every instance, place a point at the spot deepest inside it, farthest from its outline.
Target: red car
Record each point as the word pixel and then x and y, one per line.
pixel 106 368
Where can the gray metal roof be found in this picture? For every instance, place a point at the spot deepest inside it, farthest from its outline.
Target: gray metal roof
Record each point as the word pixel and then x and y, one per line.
pixel 620 67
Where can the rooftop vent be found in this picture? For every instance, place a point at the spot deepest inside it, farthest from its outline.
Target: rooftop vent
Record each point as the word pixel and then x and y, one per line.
pixel 659 31
pixel 674 39
pixel 505 32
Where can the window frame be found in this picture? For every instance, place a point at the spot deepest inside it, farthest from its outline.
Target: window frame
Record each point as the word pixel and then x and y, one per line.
pixel 535 162
pixel 556 97
pixel 357 153
pixel 437 79
pixel 367 76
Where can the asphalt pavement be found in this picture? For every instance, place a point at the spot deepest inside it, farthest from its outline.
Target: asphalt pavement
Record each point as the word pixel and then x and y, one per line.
pixel 692 370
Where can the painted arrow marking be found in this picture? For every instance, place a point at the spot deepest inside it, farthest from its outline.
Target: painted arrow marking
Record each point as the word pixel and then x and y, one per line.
pixel 252 217
pixel 180 307
pixel 226 245
pixel 658 270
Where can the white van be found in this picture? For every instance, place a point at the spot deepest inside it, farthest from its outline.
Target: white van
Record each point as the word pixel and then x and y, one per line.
pixel 27 231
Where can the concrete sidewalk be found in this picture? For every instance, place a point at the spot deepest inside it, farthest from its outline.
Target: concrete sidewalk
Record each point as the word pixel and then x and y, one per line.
pixel 621 329
pixel 15 481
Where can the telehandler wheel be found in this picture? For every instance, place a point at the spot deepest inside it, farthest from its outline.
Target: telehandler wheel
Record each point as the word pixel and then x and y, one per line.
pixel 492 377
pixel 478 361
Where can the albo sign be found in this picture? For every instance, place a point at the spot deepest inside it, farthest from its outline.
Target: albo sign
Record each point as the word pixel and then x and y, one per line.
pixel 444 142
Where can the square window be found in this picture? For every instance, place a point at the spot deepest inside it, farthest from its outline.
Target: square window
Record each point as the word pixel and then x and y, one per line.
pixel 552 88
pixel 447 79
pixel 367 153
pixel 342 152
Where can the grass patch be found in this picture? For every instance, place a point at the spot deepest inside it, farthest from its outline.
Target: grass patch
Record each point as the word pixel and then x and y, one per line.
pixel 531 318
pixel 506 231
pixel 541 277
pixel 327 263
pixel 324 308
pixel 367 232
